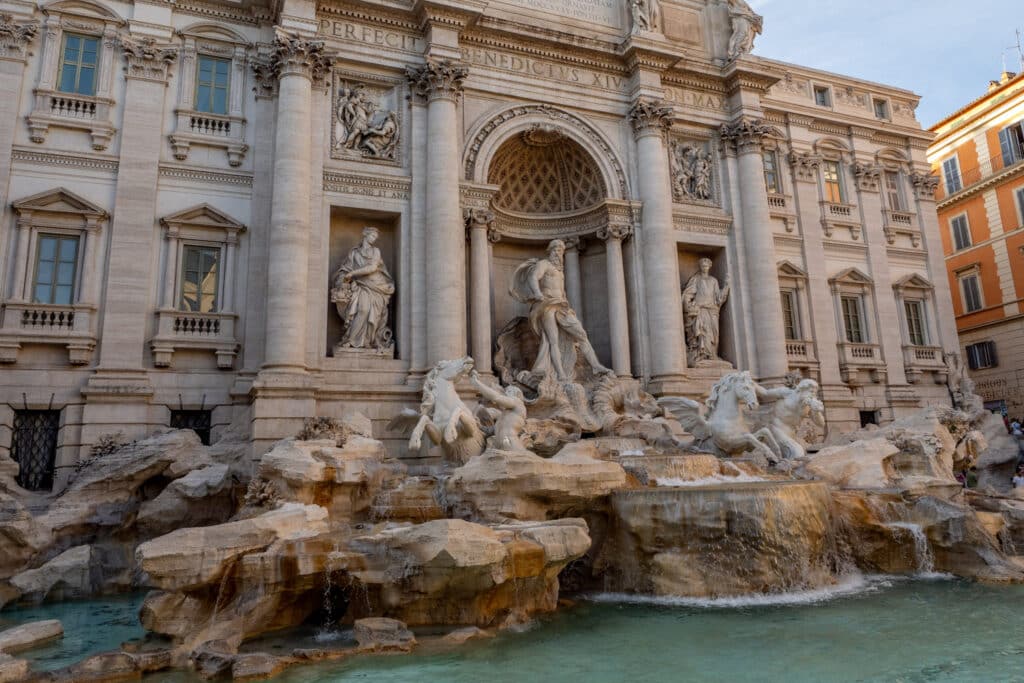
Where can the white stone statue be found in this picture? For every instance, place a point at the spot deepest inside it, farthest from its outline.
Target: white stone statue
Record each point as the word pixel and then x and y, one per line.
pixel 702 304
pixel 443 417
pixel 508 417
pixel 361 128
pixel 789 407
pixel 646 15
pixel 541 283
pixel 726 426
pixel 362 288
pixel 746 25
pixel 692 169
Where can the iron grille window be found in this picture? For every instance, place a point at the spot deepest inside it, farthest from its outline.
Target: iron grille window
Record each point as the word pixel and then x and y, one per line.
pixel 34 447
pixel 198 421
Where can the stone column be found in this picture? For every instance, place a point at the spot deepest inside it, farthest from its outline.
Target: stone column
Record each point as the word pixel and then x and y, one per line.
pixel 16 38
pixel 440 81
pixel 573 281
pixel 298 61
pixel 127 307
pixel 651 119
pixel 618 312
pixel 479 222
pixel 744 139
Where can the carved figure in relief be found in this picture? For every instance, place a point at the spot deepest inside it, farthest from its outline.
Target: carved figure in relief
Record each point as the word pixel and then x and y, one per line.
pixel 692 169
pixel 360 127
pixel 723 422
pixel 646 15
pixel 509 415
pixel 746 26
pixel 362 288
pixel 790 406
pixel 443 417
pixel 702 304
pixel 541 283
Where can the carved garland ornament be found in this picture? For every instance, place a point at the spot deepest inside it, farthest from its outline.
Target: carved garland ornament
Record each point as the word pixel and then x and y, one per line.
pixel 560 115
pixel 437 79
pixel 15 36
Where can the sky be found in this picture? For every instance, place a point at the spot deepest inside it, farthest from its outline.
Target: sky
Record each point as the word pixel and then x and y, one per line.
pixel 944 50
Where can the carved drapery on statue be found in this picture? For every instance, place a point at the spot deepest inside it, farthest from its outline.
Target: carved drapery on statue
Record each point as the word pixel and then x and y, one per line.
pixel 362 127
pixel 703 299
pixel 361 291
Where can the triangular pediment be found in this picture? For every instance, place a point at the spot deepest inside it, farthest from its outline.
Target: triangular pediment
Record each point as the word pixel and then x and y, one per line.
pixel 852 276
pixel 790 269
pixel 203 216
pixel 912 281
pixel 59 200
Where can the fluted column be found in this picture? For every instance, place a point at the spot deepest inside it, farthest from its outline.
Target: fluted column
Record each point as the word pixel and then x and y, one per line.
pixel 651 119
pixel 743 138
pixel 618 312
pixel 573 281
pixel 298 61
pixel 479 223
pixel 440 81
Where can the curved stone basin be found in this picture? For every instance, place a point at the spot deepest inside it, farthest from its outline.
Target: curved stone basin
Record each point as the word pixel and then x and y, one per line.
pixel 720 540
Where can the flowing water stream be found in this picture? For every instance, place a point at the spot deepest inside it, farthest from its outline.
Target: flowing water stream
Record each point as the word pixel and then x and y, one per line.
pixel 864 629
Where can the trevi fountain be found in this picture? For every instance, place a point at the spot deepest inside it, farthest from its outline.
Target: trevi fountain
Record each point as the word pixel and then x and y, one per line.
pixel 663 458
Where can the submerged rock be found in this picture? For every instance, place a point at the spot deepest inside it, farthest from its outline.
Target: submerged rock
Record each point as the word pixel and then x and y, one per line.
pixel 500 485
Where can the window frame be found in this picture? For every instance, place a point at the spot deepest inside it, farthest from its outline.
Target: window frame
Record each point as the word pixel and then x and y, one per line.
pixel 954 241
pixel 954 182
pixel 61 237
pixel 79 65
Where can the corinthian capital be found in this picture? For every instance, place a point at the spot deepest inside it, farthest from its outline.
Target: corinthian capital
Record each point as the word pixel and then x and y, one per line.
pixel 745 135
pixel 650 116
pixel 615 232
pixel 296 55
pixel 437 79
pixel 148 60
pixel 15 37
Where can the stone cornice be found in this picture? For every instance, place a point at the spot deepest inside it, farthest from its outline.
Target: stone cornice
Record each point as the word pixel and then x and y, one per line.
pixel 298 55
pixel 437 79
pixel 16 37
pixel 148 60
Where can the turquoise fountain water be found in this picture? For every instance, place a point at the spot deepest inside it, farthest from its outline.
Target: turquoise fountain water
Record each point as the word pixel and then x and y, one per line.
pixel 876 629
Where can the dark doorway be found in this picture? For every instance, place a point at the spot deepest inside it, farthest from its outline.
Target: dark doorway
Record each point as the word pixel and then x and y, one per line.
pixel 34 447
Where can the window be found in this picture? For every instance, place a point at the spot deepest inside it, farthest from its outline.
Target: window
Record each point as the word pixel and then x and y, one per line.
pixel 1011 143
pixel 79 55
pixel 971 292
pixel 916 333
pixel 199 278
pixel 981 355
pixel 56 266
pixel 790 315
pixel 951 170
pixel 34 447
pixel 894 191
pixel 961 232
pixel 822 96
pixel 853 320
pixel 772 181
pixel 833 182
pixel 212 80
pixel 881 109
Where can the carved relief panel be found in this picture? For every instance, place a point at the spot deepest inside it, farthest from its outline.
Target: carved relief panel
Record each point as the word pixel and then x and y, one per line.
pixel 366 119
pixel 693 172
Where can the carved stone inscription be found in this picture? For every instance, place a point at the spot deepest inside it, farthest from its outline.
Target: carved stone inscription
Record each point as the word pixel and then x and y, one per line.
pixel 595 11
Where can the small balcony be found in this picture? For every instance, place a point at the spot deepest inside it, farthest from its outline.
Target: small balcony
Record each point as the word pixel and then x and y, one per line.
pixel 178 330
pixel 857 361
pixel 31 323
pixel 921 360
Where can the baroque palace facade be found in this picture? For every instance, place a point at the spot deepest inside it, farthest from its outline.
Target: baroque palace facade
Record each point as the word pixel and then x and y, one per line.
pixel 187 185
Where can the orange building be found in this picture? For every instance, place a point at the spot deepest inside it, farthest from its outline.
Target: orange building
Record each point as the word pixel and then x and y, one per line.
pixel 978 152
